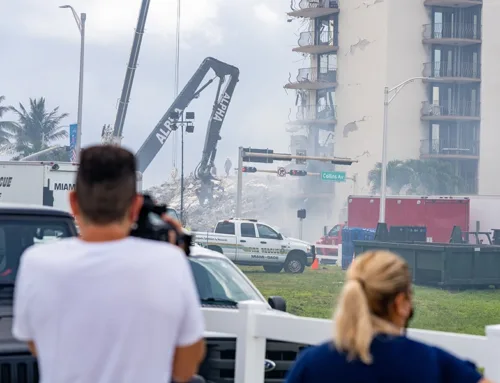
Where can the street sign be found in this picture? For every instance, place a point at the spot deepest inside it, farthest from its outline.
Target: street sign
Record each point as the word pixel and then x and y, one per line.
pixel 281 172
pixel 333 176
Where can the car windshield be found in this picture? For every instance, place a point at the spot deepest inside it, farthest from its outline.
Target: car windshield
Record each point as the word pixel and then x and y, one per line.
pixel 218 280
pixel 17 234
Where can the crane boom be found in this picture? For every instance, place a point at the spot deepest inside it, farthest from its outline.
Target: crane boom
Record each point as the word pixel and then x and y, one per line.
pixel 155 141
pixel 129 75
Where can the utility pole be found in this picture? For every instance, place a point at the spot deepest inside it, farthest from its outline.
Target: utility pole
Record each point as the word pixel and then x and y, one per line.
pixel 240 182
pixel 80 23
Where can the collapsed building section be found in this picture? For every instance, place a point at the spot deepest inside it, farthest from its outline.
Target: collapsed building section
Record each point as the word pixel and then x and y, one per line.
pixel 313 122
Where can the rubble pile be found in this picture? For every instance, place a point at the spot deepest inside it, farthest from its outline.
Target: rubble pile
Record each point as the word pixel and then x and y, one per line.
pixel 262 199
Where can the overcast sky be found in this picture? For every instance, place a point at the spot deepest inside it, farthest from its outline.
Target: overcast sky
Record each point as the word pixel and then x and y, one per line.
pixel 40 58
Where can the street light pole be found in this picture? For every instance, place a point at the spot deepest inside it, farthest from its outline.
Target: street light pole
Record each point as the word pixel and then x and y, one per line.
pixel 80 23
pixel 239 186
pixel 383 178
pixel 182 169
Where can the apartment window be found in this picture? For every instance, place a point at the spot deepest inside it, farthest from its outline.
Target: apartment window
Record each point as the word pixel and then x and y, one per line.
pixel 325 103
pixel 328 67
pixel 455 138
pixel 326 31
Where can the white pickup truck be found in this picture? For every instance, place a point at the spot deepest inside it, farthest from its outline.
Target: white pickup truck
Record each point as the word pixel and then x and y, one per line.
pixel 253 243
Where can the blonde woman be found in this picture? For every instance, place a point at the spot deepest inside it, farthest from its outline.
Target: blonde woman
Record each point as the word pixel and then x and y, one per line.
pixel 370 345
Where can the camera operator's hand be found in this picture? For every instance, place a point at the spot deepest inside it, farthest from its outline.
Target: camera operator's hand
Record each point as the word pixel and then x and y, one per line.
pixel 176 225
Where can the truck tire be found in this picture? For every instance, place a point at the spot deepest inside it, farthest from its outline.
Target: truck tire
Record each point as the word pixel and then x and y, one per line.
pixel 273 268
pixel 295 262
pixel 215 248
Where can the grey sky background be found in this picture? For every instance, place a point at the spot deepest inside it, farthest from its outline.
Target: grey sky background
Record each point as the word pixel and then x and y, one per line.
pixel 40 58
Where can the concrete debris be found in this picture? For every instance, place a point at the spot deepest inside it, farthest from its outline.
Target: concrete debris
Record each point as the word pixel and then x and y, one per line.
pixel 350 127
pixel 368 4
pixel 353 126
pixel 262 198
pixel 361 44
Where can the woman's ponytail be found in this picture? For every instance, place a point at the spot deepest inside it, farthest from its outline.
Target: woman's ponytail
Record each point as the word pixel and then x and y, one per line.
pixel 353 324
pixel 372 281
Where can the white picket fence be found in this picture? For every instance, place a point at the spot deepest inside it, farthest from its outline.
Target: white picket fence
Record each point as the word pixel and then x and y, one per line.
pixel 337 257
pixel 252 323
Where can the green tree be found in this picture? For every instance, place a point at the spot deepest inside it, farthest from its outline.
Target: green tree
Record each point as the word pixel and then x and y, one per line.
pixel 5 126
pixel 36 127
pixel 430 176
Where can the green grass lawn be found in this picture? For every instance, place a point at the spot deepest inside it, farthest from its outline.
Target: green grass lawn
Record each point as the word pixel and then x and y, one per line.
pixel 314 293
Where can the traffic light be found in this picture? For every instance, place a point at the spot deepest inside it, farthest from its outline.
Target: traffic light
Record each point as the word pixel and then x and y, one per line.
pixel 342 161
pixel 247 155
pixel 297 173
pixel 248 169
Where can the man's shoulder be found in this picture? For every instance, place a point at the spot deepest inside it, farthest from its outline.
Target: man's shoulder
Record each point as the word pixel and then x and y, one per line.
pixel 54 247
pixel 158 248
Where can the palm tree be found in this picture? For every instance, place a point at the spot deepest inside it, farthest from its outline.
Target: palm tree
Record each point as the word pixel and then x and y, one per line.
pixel 430 176
pixel 36 128
pixel 398 176
pixel 5 126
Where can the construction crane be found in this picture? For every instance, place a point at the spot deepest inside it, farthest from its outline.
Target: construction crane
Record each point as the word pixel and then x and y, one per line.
pixel 155 141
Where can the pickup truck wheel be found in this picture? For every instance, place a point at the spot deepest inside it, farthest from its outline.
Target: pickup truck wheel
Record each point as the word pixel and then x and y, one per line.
pixel 295 263
pixel 215 248
pixel 273 268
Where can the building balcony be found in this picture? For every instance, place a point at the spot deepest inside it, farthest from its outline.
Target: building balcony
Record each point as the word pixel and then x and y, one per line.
pixel 310 79
pixel 446 148
pixel 451 111
pixel 457 73
pixel 314 8
pixel 324 116
pixel 317 43
pixel 452 3
pixel 457 34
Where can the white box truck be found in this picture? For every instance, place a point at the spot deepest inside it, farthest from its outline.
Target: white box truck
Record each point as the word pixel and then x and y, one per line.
pixel 40 183
pixel 37 183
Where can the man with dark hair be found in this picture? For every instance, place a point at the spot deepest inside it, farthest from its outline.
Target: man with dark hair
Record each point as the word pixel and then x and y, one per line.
pixel 107 307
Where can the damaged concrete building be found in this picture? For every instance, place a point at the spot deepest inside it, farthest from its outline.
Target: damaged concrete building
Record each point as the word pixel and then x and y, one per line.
pixel 313 121
pixel 379 43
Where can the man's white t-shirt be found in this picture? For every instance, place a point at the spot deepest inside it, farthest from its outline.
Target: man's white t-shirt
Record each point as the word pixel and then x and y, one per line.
pixel 109 312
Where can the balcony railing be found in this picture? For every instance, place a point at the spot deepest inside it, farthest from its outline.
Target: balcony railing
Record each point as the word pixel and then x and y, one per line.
pixel 308 4
pixel 316 112
pixel 445 69
pixel 449 147
pixel 452 109
pixel 464 31
pixel 323 38
pixel 311 75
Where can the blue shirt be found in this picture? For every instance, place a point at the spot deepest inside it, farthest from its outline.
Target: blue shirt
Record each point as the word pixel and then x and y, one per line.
pixel 396 359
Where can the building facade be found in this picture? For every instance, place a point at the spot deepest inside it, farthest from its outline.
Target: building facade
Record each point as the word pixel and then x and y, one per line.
pixel 447 113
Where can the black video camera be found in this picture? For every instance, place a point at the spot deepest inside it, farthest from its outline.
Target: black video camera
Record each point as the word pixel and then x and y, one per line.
pixel 150 225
